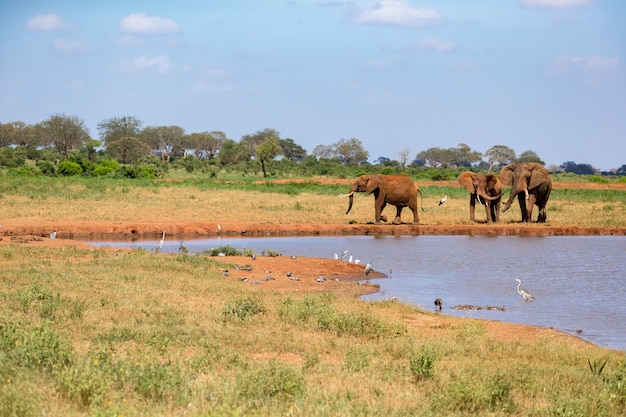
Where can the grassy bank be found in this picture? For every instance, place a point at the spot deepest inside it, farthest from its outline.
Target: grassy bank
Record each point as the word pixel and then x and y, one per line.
pixel 82 199
pixel 83 331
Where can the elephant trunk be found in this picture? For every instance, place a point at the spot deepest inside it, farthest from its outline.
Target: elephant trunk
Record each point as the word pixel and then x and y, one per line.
pixel 515 190
pixel 350 203
pixel 351 195
pixel 484 196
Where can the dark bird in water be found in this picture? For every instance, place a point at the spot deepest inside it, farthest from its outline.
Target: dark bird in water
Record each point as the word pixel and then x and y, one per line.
pixel 438 303
pixel 527 296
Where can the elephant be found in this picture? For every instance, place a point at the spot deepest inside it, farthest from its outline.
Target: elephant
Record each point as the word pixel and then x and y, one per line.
pixel 397 190
pixel 531 178
pixel 487 189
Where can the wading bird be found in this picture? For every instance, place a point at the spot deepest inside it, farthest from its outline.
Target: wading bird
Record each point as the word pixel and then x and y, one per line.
pixel 160 244
pixel 443 200
pixel 368 268
pixel 438 303
pixel 527 296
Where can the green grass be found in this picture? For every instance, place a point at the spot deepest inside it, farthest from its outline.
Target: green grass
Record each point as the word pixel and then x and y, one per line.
pixel 84 332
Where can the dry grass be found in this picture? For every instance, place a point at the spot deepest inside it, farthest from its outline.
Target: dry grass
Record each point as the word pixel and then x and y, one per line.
pixel 144 334
pixel 67 200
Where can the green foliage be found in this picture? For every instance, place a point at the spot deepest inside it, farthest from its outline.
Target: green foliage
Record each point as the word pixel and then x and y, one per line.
pixel 422 363
pixel 599 179
pixel 69 168
pixel 242 308
pixel 317 313
pixel 356 359
pixel 273 381
pixel 226 250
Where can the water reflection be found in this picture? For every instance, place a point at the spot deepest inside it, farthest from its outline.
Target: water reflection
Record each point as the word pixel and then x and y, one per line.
pixel 577 281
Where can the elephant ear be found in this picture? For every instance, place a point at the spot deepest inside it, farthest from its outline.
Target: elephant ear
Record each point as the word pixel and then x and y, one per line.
pixel 506 174
pixel 538 175
pixel 466 180
pixel 373 182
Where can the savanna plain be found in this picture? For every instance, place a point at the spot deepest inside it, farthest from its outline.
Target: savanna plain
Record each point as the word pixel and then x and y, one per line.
pixel 104 331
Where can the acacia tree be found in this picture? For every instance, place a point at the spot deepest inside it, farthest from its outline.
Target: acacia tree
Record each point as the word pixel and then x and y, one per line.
pixel 128 150
pixel 119 127
pixel 64 132
pixel 350 151
pixel 498 156
pixel 164 139
pixel 529 156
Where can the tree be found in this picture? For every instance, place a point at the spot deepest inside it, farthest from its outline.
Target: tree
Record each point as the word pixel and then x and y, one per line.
pixel 291 150
pixel 403 157
pixel 498 156
pixel 231 153
pixel 164 139
pixel 128 150
pixel 267 151
pixel 581 169
pixel 529 156
pixel 205 144
pixel 119 127
pixel 322 151
pixel 350 151
pixel 464 156
pixel 436 157
pixel 65 132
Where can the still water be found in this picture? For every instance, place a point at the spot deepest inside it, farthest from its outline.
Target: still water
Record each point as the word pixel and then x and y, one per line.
pixel 578 281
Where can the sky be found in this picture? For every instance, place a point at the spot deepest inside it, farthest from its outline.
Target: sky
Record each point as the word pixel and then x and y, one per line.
pixel 542 75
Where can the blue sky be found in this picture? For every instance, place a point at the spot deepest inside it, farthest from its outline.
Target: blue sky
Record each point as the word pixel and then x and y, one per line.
pixel 541 75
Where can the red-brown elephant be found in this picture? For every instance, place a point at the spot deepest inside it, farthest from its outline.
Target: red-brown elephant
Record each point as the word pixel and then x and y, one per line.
pixel 397 190
pixel 529 181
pixel 487 189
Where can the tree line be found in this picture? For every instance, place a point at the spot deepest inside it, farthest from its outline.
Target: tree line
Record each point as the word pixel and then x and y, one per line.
pixel 124 140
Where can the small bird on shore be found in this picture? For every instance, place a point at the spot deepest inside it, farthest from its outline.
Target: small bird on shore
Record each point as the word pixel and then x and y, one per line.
pixel 438 303
pixel 443 200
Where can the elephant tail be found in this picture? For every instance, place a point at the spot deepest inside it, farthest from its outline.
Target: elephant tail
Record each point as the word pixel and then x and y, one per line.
pixel 421 197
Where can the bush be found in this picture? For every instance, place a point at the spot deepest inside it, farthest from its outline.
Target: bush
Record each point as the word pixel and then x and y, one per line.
pixel 241 308
pixel 69 168
pixel 422 363
pixel 47 168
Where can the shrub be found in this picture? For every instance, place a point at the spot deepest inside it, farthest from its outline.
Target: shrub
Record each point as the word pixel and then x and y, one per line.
pixel 69 168
pixel 422 363
pixel 242 308
pixel 274 381
pixel 46 168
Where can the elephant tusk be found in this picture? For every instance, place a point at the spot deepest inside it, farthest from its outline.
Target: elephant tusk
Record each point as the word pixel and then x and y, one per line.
pixel 526 192
pixel 346 195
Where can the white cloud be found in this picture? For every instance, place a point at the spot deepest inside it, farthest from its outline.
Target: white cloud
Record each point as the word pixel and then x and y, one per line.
pixel 70 47
pixel 396 13
pixel 47 23
pixel 160 64
pixel 141 23
pixel 555 4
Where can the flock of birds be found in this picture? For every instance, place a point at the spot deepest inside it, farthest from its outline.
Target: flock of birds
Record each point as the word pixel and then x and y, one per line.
pixel 526 295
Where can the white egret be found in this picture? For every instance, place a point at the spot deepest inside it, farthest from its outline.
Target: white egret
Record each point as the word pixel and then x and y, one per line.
pixel 527 296
pixel 160 244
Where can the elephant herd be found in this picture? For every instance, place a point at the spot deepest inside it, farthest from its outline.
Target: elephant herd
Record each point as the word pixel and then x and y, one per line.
pixel 529 181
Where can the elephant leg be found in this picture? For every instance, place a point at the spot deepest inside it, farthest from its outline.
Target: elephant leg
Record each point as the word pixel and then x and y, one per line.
pixel 521 198
pixel 542 215
pixel 472 206
pixel 488 211
pixel 416 219
pixel 398 219
pixel 379 215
